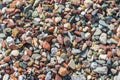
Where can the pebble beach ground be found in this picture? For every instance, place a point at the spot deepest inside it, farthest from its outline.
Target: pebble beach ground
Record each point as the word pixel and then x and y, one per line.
pixel 59 39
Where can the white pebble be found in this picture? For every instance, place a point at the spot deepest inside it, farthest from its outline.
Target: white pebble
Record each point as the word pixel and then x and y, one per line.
pixel 15 53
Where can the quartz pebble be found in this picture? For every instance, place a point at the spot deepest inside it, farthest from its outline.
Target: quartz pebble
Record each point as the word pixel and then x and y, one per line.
pixel 15 53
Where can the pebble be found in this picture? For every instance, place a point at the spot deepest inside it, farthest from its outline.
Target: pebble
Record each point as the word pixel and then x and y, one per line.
pixel 71 64
pixel 46 45
pixel 93 65
pixel 15 53
pixel 101 70
pixel 78 77
pixel 63 71
pixel 97 32
pixel 101 22
pixel 2 35
pixel 48 76
pixel 103 38
pixel 6 77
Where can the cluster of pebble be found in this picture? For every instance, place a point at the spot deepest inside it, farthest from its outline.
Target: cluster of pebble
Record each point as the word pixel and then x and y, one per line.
pixel 60 40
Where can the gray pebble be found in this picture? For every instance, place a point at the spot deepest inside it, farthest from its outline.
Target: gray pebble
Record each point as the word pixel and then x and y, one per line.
pixel 48 76
pixel 101 22
pixel 101 70
pixel 2 35
pixel 97 32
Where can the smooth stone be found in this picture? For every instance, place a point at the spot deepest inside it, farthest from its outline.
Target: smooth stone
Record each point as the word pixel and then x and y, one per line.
pixel 88 3
pixel 100 61
pixel 71 36
pixel 63 71
pixel 82 35
pixel 23 65
pixel 114 71
pixel 27 8
pixel 113 41
pixel 9 40
pixel 15 53
pixel 48 76
pixel 117 77
pixel 97 32
pixel 93 65
pixel 87 35
pixel 75 51
pixel 103 56
pixel 54 51
pixel 6 77
pixel 84 46
pixel 20 77
pixel 60 60
pixel 35 14
pixel 35 56
pixel 101 22
pixel 101 70
pixel 94 12
pixel 67 25
pixel 71 64
pixel 58 19
pixel 103 38
pixel 95 47
pixel 2 35
pixel 78 77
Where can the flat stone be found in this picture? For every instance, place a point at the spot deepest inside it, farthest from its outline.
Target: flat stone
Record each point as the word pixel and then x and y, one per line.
pixel 35 56
pixel 101 70
pixel 101 22
pixel 97 32
pixel 78 77
pixel 94 12
pixel 46 45
pixel 71 64
pixel 48 76
pixel 60 60
pixel 75 51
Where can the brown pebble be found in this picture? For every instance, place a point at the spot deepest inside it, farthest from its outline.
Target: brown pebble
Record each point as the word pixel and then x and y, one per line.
pixel 25 57
pixel 57 77
pixel 46 45
pixel 63 71
pixel 109 54
pixel 6 59
pixel 51 29
pixel 42 76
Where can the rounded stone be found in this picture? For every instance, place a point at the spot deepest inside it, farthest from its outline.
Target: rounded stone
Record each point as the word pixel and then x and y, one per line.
pixel 15 53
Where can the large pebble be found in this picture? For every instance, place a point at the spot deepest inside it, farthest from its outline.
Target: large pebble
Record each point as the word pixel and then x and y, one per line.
pixel 63 71
pixel 6 77
pixel 101 70
pixel 71 64
pixel 15 53
pixel 103 38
